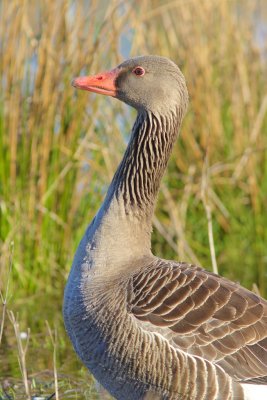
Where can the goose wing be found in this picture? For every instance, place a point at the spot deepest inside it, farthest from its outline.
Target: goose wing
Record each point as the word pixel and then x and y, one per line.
pixel 205 315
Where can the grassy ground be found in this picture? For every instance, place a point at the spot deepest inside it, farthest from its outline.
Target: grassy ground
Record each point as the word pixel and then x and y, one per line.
pixel 58 153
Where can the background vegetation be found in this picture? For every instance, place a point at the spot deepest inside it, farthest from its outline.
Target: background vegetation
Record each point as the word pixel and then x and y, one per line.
pixel 59 149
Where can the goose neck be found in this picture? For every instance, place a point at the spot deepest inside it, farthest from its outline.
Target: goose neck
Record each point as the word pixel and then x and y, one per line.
pixel 137 179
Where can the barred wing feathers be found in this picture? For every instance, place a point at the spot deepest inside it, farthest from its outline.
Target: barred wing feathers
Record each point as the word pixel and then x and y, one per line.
pixel 205 315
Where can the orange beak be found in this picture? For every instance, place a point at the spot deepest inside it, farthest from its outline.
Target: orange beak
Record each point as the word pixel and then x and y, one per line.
pixel 103 83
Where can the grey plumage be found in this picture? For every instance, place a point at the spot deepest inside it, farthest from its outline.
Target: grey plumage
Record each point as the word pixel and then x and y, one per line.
pixel 149 328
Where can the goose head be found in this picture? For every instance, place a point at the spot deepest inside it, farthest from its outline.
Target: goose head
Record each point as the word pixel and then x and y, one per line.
pixel 150 83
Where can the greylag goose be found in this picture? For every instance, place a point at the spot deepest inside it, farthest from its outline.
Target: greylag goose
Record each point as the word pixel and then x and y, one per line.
pixel 145 327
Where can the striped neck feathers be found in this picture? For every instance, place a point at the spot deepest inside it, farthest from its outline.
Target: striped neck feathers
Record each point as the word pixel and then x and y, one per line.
pixel 120 234
pixel 137 179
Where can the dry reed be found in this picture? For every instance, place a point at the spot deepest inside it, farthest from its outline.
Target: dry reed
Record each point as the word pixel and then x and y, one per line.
pixel 54 339
pixel 22 351
pixel 5 297
pixel 59 148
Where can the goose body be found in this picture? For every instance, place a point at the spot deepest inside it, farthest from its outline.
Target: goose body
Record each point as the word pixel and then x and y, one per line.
pixel 145 327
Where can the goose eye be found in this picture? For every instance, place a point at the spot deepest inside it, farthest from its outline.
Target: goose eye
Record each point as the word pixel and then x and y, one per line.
pixel 139 71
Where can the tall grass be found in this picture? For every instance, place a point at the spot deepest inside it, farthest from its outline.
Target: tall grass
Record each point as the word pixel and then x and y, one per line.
pixel 59 148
